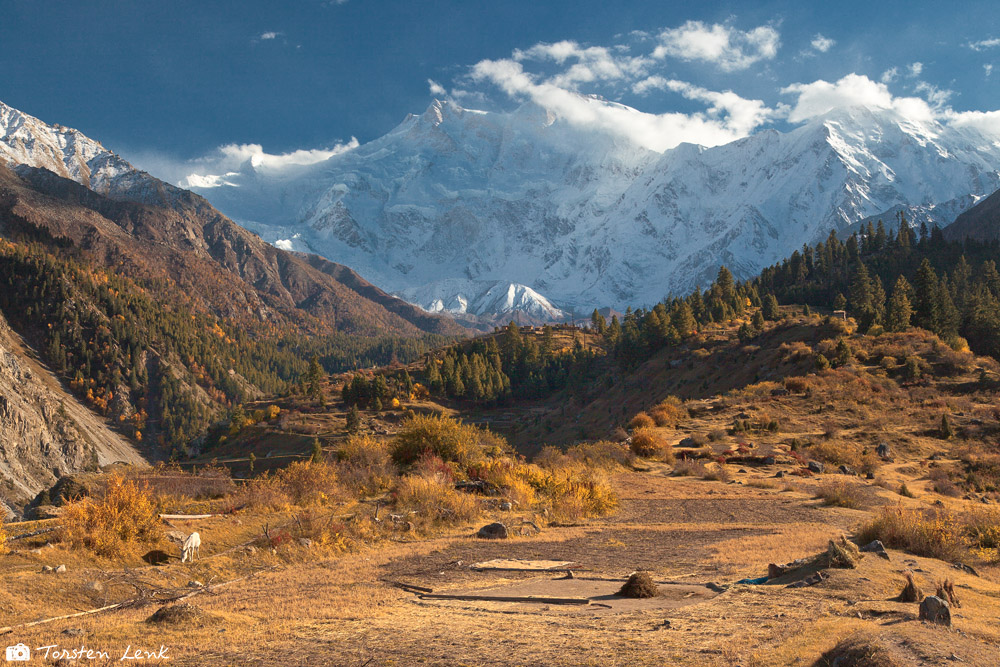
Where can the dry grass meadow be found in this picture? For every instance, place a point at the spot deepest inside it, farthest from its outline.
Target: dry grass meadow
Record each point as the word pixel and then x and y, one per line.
pixel 296 570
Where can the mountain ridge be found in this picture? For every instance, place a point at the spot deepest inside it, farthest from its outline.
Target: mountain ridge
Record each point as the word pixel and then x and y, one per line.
pixel 587 219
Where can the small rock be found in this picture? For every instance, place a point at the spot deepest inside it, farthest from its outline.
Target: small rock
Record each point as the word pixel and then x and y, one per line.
pixel 94 587
pixel 305 542
pixel 251 550
pixel 493 531
pixel 769 460
pixel 882 450
pixel 506 507
pixel 687 442
pixel 816 467
pixel 176 536
pixel 712 586
pixel 779 474
pixel 775 571
pixel 37 552
pixel 73 632
pixel 742 470
pixel 876 547
pixel 847 470
pixel 935 610
pixel 870 475
pixel 61 569
pixel 46 569
pixel 408 527
pixel 194 583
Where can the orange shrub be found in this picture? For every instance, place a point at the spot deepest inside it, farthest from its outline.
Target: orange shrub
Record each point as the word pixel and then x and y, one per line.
pixel 647 444
pixel 642 420
pixel 114 525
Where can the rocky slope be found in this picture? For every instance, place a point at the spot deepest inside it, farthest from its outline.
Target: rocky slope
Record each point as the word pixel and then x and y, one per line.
pixel 46 433
pixel 981 222
pixel 525 198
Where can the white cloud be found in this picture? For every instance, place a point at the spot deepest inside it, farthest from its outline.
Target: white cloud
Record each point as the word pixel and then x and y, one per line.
pixel 937 97
pixel 213 170
pixel 589 64
pixel 916 69
pixel 988 69
pixel 727 47
pixel 985 121
pixel 437 90
pixel 821 43
pixel 729 117
pixel 269 35
pixel 820 97
pixel 984 44
pixel 890 75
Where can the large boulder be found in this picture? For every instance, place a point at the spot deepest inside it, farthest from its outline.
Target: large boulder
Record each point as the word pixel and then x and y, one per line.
pixel 935 610
pixel 493 531
pixel 816 467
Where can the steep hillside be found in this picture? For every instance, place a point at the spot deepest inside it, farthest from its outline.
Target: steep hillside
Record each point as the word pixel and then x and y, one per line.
pixel 46 432
pixel 981 222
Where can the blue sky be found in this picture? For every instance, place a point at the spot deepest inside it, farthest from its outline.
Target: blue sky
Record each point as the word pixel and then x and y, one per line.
pixel 165 83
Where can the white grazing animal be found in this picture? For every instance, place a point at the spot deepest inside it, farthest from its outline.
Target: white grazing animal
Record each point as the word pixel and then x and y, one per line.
pixel 192 545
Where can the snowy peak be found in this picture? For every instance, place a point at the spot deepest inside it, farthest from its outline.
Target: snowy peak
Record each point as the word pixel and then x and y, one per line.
pixel 491 211
pixel 490 300
pixel 25 140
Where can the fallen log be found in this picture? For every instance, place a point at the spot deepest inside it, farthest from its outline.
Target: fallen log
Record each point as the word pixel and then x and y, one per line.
pixel 37 532
pixel 505 598
pixel 186 516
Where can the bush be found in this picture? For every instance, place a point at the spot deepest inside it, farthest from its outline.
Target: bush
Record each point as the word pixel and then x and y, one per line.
pixel 3 540
pixel 822 363
pixel 434 498
pixel 648 445
pixel 577 494
pixel 690 468
pixel 642 420
pixel 932 534
pixel 309 483
pixel 717 474
pixel 446 438
pixel 668 412
pixel 796 385
pixel 601 454
pixel 365 467
pixel 114 525
pixel 841 494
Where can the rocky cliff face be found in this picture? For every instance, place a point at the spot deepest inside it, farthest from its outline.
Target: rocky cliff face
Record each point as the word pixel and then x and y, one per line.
pixel 44 432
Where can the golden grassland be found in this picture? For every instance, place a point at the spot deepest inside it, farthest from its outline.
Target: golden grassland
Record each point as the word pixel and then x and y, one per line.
pixel 307 572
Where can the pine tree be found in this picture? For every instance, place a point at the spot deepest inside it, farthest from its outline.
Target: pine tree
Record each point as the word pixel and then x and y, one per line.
pixel 769 307
pixel 899 311
pixel 925 298
pixel 353 420
pixel 313 377
pixel 598 321
pixel 317 451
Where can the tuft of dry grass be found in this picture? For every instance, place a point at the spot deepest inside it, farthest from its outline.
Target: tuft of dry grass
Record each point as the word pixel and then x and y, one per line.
pixel 862 649
pixel 719 473
pixel 843 553
pixel 935 534
pixel 433 499
pixel 839 493
pixel 690 468
pixel 911 591
pixel 116 524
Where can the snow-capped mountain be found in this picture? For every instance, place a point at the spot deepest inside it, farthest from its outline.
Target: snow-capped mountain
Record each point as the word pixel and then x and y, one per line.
pixel 501 301
pixel 454 200
pixel 25 140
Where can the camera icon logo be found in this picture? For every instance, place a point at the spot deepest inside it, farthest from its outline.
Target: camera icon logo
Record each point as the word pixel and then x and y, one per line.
pixel 18 653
